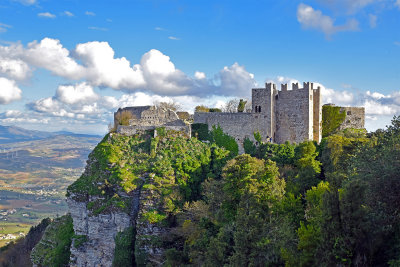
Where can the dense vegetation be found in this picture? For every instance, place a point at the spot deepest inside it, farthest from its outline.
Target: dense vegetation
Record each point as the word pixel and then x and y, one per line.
pixel 330 204
pixel 333 118
pixel 54 247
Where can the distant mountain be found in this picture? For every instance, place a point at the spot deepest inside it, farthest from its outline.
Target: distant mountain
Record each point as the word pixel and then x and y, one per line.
pixel 11 134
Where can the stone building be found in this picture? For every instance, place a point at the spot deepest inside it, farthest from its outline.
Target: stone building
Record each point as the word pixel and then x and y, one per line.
pixel 355 117
pixel 150 118
pixel 286 115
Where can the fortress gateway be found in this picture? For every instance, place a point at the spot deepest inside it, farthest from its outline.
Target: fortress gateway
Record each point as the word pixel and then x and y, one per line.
pixel 286 115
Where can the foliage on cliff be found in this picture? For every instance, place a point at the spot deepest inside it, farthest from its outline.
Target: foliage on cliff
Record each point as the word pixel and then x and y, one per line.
pixel 332 118
pixel 169 162
pixel 54 247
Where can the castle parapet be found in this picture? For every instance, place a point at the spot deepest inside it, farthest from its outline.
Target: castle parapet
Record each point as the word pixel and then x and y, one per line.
pixel 284 87
pixel 270 86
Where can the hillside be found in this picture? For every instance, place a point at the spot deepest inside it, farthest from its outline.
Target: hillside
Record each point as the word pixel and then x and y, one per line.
pixel 35 170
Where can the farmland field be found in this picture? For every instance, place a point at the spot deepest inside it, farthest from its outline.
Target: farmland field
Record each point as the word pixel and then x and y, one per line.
pixel 34 175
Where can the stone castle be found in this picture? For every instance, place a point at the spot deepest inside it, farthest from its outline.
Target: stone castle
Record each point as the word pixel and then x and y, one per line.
pixel 279 115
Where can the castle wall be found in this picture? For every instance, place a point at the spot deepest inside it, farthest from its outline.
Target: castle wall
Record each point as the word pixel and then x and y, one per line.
pixel 263 98
pixel 355 118
pixel 237 125
pixel 294 115
pixel 317 116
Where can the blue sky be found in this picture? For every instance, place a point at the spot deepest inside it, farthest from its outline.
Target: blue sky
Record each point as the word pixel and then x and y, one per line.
pixel 68 64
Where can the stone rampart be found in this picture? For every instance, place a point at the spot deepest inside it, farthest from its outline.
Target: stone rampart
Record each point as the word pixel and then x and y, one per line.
pixel 355 118
pixel 237 125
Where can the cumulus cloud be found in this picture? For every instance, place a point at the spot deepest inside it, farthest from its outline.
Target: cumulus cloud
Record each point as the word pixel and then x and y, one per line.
pixel 51 55
pixel 78 93
pixel 77 101
pixel 235 80
pixel 96 64
pixel 199 75
pixel 14 68
pixel 310 18
pixel 47 15
pixel 330 95
pixel 89 13
pixel 9 91
pixel 4 27
pixel 102 69
pixel 174 38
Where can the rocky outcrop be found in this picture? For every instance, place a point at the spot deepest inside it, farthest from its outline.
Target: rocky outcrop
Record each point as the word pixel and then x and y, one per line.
pixel 99 234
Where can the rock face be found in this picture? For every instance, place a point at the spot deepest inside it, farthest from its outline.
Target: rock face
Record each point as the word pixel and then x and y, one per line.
pixel 100 232
pixel 123 205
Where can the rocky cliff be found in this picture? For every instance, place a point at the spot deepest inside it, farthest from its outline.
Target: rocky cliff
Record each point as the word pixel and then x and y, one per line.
pixel 124 205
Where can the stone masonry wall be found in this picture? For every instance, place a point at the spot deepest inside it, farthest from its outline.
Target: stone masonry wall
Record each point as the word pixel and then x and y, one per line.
pixel 317 116
pixel 237 125
pixel 264 99
pixel 355 118
pixel 294 115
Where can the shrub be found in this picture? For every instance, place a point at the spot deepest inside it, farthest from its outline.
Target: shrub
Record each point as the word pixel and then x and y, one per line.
pixel 123 117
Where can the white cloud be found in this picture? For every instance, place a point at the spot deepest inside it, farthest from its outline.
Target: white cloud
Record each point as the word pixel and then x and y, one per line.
pixel 97 29
pixel 349 6
pixel 376 95
pixel 4 27
pixel 51 55
pixel 372 20
pixel 9 91
pixel 68 14
pixel 89 13
pixel 97 66
pixel 47 15
pixel 159 29
pixel 12 113
pixel 376 108
pixel 174 38
pixel 329 95
pixel 310 18
pixel 199 75
pixel 27 2
pixel 397 3
pixel 79 93
pixel 161 76
pixel 102 69
pixel 14 68
pixel 235 80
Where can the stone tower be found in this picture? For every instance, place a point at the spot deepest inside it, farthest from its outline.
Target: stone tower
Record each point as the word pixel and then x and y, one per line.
pixel 263 107
pixel 298 113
